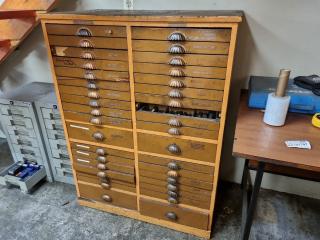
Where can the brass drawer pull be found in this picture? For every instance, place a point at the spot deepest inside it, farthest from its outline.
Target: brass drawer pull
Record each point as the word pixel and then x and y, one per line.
pixel 174 131
pixel 94 103
pixel 101 166
pixel 102 174
pixel 87 55
pixel 175 103
pixel 92 85
pixel 173 166
pixel 96 112
pixel 175 83
pixel 84 32
pixel 98 136
pixel 89 66
pixel 177 61
pixel 172 174
pixel 106 198
pixel 172 180
pixel 101 152
pixel 175 93
pixel 93 94
pixel 174 148
pixel 96 121
pixel 176 36
pixel 173 122
pixel 173 194
pixel 101 159
pixel 105 185
pixel 109 31
pixel 85 43
pixel 172 216
pixel 176 73
pixel 177 49
pixel 89 75
pixel 172 200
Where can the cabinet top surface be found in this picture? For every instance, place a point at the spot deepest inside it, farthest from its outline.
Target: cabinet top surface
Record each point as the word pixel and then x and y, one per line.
pixel 150 15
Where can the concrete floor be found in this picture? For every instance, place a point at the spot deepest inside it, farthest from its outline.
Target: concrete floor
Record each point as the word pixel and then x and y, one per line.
pixel 51 213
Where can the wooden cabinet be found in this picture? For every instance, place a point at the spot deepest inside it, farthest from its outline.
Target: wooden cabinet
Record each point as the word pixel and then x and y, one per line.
pixel 143 97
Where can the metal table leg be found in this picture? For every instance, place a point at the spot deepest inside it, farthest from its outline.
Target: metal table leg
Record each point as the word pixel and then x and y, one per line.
pixel 249 202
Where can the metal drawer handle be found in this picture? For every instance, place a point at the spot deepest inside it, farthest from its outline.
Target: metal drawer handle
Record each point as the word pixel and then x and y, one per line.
pixel 173 174
pixel 101 159
pixel 84 32
pixel 173 166
pixel 177 49
pixel 87 55
pixel 101 152
pixel 174 131
pixel 172 194
pixel 101 166
pixel 89 66
pixel 176 73
pixel 89 75
pixel 172 216
pixel 175 83
pixel 175 103
pixel 102 174
pixel 172 200
pixel 98 136
pixel 106 198
pixel 93 94
pixel 176 36
pixel 175 93
pixel 172 188
pixel 172 180
pixel 85 43
pixel 177 61
pixel 92 85
pixel 174 148
pixel 94 103
pixel 96 112
pixel 96 121
pixel 173 122
pixel 105 185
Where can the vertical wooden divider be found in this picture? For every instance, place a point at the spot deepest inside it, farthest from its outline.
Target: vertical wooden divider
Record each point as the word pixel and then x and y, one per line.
pixel 133 111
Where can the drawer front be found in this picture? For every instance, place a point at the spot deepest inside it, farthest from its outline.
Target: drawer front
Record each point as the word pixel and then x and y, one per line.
pixel 51 113
pixel 180 103
pixel 90 54
pixel 91 42
pixel 105 135
pixel 182 34
pixel 91 74
pixel 183 121
pixel 180 71
pixel 192 93
pixel 62 164
pixel 177 147
pixel 181 59
pixel 86 30
pixel 114 184
pixel 179 215
pixel 53 124
pixel 15 110
pixel 103 111
pixel 181 47
pixel 90 64
pixel 96 84
pixel 17 121
pixel 24 140
pixel 215 84
pixel 21 131
pixel 108 196
pixel 56 134
pixel 81 91
pixel 27 150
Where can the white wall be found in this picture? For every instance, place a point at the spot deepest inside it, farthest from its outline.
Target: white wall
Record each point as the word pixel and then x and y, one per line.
pixel 275 34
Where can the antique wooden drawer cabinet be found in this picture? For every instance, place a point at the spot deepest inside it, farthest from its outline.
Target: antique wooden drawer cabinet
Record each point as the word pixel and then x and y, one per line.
pixel 143 96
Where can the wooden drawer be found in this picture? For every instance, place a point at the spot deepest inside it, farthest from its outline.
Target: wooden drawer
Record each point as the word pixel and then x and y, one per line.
pixel 101 93
pixel 120 199
pixel 184 121
pixel 181 103
pixel 182 34
pixel 181 47
pixel 91 42
pixel 105 135
pixel 184 148
pixel 91 74
pixel 90 64
pixel 215 84
pixel 86 109
pixel 115 55
pixel 114 184
pixel 87 118
pixel 86 30
pixel 179 215
pixel 186 59
pixel 110 174
pixel 107 151
pixel 206 94
pixel 180 71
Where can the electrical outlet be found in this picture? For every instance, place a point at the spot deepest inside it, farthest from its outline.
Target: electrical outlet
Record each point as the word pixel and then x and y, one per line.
pixel 128 4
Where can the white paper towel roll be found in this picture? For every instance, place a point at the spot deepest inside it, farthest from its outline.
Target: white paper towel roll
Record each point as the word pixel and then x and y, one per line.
pixel 276 110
